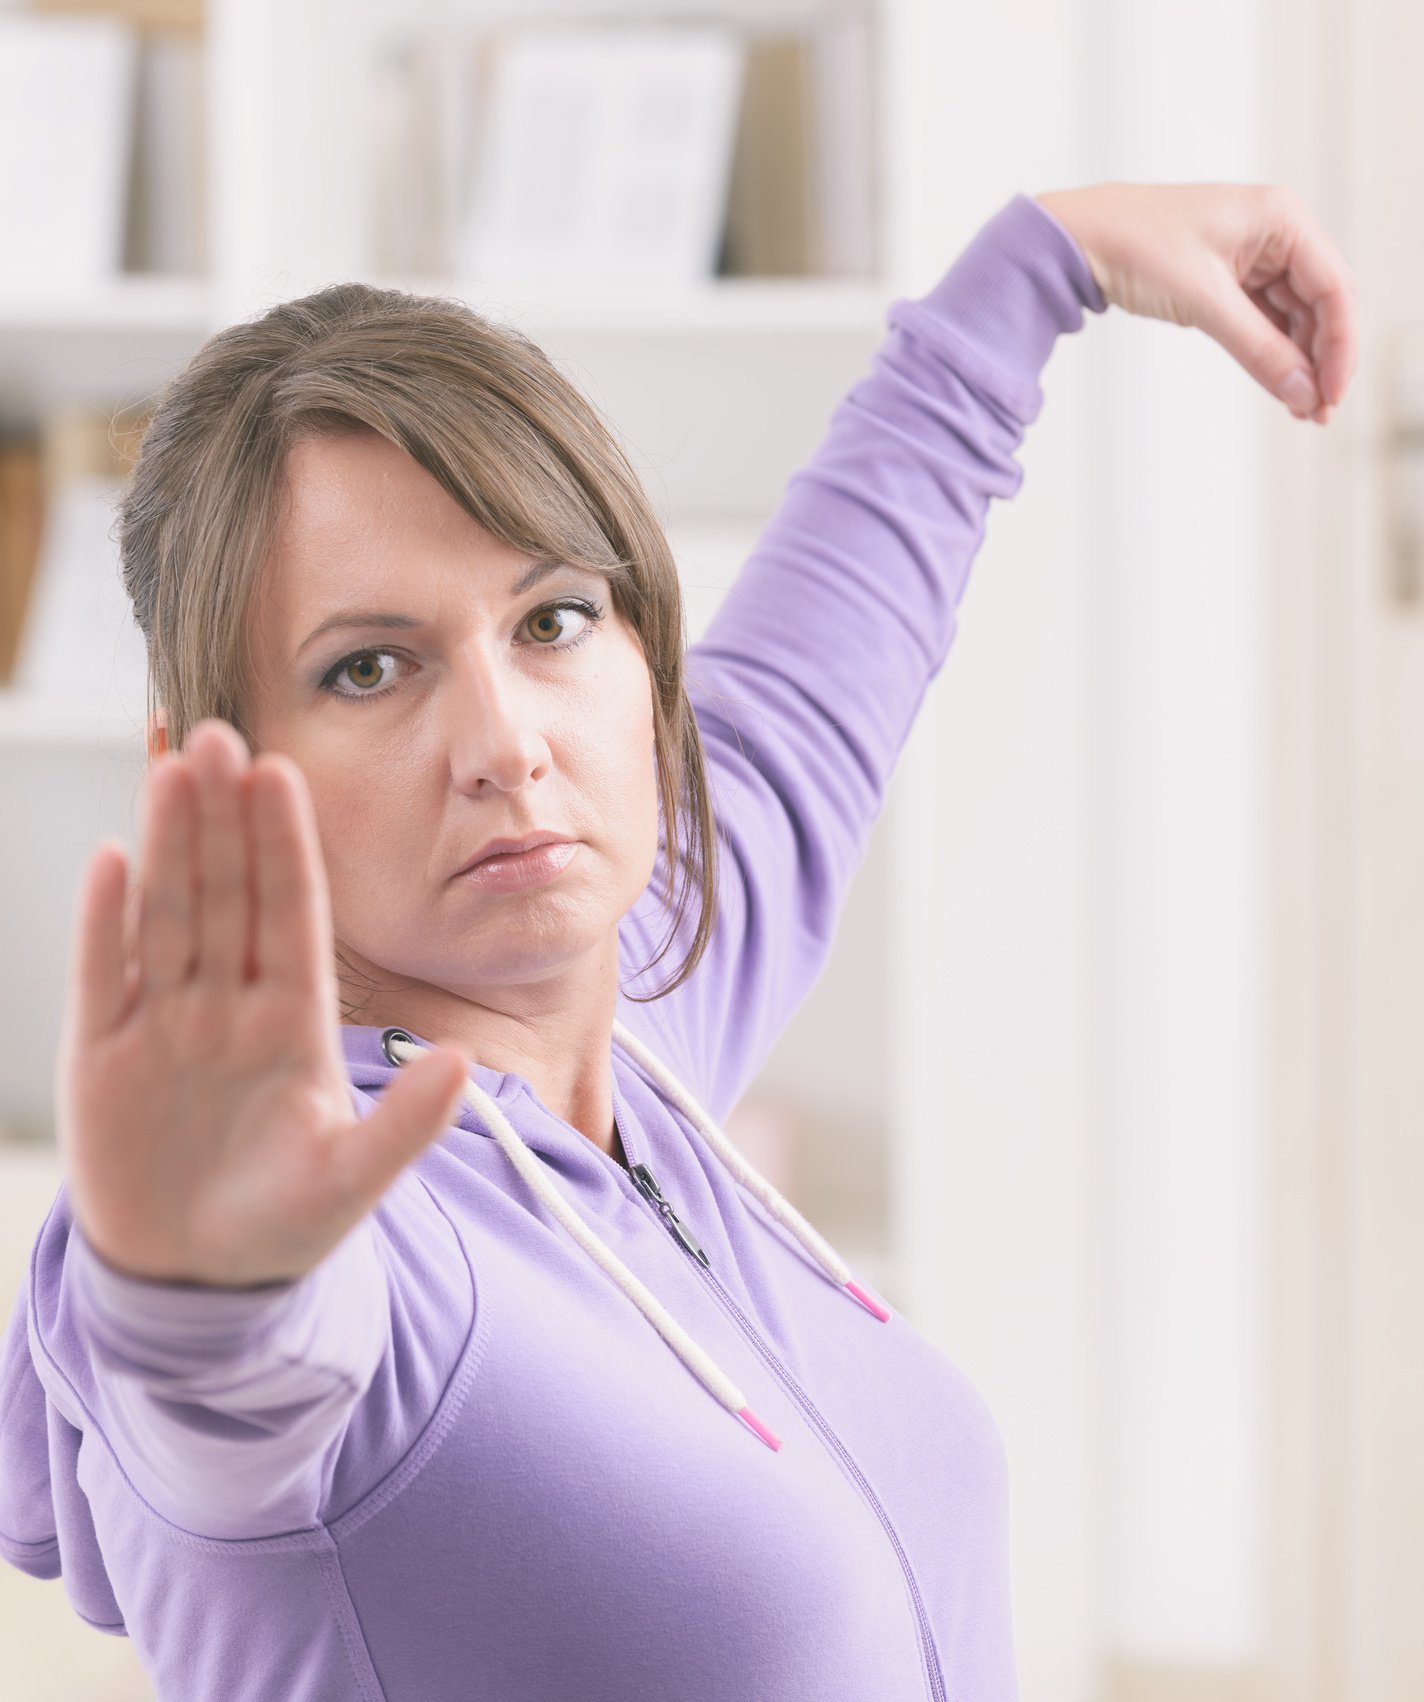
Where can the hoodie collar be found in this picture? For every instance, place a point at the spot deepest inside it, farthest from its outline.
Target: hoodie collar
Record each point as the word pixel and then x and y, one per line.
pixel 368 1067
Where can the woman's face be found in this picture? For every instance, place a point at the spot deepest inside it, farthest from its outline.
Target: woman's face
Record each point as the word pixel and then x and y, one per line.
pixel 449 709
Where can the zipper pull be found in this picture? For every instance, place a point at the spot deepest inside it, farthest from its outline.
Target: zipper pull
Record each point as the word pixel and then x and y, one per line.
pixel 648 1184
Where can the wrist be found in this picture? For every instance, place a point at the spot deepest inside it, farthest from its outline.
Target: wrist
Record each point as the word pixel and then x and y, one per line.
pixel 1070 208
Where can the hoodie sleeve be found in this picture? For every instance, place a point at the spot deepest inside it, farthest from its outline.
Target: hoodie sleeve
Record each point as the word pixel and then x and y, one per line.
pixel 225 1405
pixel 230 1414
pixel 808 678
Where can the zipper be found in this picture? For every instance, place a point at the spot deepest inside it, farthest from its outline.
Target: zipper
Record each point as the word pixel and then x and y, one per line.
pixel 646 1183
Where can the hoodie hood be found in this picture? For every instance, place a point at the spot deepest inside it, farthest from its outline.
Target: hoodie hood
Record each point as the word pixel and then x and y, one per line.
pixel 46 1527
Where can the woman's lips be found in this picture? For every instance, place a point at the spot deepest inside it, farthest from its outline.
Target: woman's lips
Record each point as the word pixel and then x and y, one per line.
pixel 511 871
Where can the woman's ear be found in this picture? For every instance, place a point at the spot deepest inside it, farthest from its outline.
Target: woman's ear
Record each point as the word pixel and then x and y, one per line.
pixel 157 734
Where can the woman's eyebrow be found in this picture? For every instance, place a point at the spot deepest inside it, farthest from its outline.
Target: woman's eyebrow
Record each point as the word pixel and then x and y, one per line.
pixel 388 620
pixel 357 617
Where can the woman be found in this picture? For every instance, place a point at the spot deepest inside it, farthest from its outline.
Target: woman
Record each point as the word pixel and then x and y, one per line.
pixel 333 1375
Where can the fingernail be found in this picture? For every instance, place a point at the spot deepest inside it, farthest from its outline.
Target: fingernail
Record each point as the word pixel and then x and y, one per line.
pixel 1298 392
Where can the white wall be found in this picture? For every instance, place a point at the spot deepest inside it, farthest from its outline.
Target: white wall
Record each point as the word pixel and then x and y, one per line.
pixel 993 817
pixel 1181 723
pixel 1082 1030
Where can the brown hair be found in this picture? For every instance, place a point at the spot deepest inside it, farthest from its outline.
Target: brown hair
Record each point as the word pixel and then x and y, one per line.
pixel 482 409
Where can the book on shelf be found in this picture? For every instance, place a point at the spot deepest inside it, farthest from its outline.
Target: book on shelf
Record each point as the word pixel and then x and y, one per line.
pixel 803 197
pixel 604 152
pixel 102 141
pixel 66 138
pixel 21 522
pixel 655 152
pixel 166 225
pixel 421 112
pixel 148 15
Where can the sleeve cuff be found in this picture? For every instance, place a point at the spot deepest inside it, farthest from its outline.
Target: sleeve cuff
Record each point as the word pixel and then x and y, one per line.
pixel 148 1328
pixel 1021 283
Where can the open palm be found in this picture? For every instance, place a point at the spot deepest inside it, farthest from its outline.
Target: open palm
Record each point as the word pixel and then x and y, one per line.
pixel 205 1120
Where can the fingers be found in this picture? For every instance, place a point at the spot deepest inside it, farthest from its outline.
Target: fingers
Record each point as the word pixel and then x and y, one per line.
pixel 233 883
pixel 194 909
pixel 420 1102
pixel 1322 282
pixel 97 986
pixel 1230 315
pixel 1334 361
pixel 220 760
pixel 293 934
pixel 163 930
pixel 1290 314
pixel 193 913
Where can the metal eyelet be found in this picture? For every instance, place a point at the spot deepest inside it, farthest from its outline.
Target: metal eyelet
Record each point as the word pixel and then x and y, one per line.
pixel 391 1034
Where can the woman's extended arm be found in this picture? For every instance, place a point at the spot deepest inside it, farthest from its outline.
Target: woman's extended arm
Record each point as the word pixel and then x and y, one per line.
pixel 210 1293
pixel 225 1406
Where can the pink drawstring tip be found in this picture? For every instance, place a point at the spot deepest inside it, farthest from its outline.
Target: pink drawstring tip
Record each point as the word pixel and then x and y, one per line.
pixel 869 1304
pixel 772 1442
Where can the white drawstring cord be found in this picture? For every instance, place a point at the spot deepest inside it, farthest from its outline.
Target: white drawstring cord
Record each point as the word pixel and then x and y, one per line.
pixel 752 1180
pixel 697 1360
pixel 398 1045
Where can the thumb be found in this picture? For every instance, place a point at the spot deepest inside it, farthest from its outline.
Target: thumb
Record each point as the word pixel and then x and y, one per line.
pixel 418 1104
pixel 1235 321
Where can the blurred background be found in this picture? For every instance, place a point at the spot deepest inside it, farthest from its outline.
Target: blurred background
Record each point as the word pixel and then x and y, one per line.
pixel 1139 943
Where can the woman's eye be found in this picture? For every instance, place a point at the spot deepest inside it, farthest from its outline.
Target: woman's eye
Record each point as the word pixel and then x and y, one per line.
pixel 363 668
pixel 550 624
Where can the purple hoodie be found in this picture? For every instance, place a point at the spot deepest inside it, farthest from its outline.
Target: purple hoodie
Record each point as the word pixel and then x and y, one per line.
pixel 532 1431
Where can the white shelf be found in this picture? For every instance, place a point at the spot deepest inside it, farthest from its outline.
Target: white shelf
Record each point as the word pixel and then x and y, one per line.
pixel 741 306
pixel 39 722
pixel 127 301
pixel 784 306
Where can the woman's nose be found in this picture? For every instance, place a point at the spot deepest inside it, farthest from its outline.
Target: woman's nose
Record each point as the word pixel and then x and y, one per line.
pixel 493 728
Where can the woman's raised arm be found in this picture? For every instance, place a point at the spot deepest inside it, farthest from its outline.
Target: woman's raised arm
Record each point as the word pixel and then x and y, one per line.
pixel 809 677
pixel 811 672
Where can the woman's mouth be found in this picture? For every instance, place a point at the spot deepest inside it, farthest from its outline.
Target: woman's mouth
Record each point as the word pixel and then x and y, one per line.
pixel 511 871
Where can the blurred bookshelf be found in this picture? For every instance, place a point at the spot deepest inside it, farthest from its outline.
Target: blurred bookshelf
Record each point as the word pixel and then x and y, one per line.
pixel 265 148
pixel 264 145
